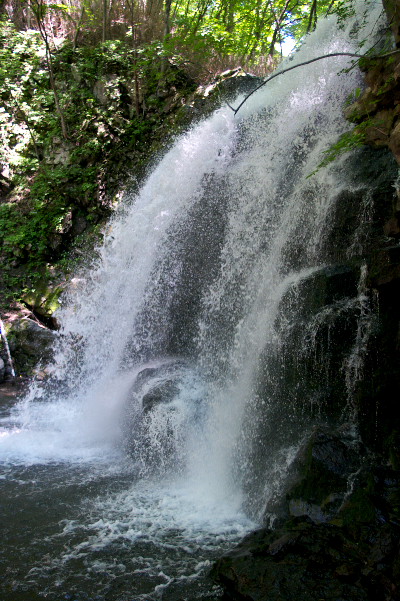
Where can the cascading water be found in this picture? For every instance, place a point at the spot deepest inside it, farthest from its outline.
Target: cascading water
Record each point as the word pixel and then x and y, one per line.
pixel 176 400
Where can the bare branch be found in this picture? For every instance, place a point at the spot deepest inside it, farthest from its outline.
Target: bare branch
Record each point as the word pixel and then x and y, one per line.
pixel 313 60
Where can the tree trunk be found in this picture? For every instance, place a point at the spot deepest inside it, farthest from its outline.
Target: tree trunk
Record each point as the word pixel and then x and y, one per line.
pixel 134 46
pixel 392 8
pixel 167 30
pixel 38 10
pixel 104 30
pixel 28 15
pixel 78 27
pixel 313 17
pixel 278 22
pixel 55 93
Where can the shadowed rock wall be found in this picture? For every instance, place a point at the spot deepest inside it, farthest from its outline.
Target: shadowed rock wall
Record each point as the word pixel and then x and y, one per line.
pixel 336 533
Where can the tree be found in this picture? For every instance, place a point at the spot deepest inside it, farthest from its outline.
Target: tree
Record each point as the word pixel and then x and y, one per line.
pixel 221 32
pixel 19 63
pixel 39 9
pixel 248 30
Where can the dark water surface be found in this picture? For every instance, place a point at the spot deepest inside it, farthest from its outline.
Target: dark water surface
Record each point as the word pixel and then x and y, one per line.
pixel 93 531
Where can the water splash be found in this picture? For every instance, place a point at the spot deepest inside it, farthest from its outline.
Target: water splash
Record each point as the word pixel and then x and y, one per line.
pixel 145 299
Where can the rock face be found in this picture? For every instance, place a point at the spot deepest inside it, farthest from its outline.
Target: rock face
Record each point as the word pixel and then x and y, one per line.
pixel 353 557
pixel 336 531
pixel 324 463
pixel 30 344
pixel 338 546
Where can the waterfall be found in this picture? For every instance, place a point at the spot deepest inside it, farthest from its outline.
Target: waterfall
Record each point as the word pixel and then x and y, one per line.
pixel 192 281
pixel 195 353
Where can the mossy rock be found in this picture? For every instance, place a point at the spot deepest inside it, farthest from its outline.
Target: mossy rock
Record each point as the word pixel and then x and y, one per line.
pixel 323 466
pixel 30 344
pixel 356 557
pixel 43 301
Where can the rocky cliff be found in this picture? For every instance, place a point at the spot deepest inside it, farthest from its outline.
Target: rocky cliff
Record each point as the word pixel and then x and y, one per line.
pixel 336 532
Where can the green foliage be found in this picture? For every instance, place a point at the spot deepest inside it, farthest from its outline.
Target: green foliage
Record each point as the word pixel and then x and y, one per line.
pixel 56 181
pixel 348 141
pixel 344 10
pixel 20 65
pixel 246 32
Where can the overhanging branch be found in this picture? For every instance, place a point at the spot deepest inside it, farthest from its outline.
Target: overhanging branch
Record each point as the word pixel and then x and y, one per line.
pixel 312 60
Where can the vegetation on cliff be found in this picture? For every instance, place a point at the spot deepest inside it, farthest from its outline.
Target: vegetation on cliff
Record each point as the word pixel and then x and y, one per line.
pixel 55 188
pixel 88 92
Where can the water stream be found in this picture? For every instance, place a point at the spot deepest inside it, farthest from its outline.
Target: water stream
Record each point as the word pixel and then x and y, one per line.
pixel 169 418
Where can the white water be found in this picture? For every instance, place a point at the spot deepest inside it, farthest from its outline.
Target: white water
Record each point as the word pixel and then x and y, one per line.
pixel 189 472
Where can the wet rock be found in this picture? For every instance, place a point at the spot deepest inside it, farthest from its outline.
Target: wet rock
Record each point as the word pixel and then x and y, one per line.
pixel 298 507
pixel 354 557
pixel 30 344
pixel 385 267
pixel 318 478
pixel 297 563
pixel 372 171
pixel 155 385
pixel 329 285
pixel 340 538
pixel 392 227
pixel 157 416
pixel 160 393
pixel 2 369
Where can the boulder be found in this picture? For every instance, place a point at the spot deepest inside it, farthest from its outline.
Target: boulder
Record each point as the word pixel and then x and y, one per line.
pixel 102 89
pixel 318 478
pixel 160 393
pixel 157 416
pixel 355 556
pixel 30 344
pixel 329 285
pixel 392 227
pixel 385 267
pixel 59 152
pixel 43 301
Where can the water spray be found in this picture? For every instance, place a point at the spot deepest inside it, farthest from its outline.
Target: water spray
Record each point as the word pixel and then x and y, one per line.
pixel 7 347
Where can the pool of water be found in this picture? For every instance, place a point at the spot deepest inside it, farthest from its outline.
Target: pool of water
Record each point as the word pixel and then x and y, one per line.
pixel 87 528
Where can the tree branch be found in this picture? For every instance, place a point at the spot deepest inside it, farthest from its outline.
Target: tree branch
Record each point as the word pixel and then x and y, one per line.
pixel 313 60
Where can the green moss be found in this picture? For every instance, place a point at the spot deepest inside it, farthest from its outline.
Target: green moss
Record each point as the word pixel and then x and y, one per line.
pixel 43 299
